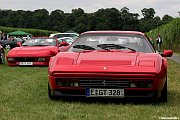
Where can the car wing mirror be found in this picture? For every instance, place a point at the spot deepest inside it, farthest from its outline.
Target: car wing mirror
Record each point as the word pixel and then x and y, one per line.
pixel 167 53
pixel 63 49
pixel 63 44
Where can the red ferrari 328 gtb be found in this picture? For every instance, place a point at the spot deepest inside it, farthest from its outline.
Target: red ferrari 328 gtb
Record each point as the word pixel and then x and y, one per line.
pixel 118 64
pixel 36 51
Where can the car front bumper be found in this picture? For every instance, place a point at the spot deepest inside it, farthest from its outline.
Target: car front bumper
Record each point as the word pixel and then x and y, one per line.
pixel 129 90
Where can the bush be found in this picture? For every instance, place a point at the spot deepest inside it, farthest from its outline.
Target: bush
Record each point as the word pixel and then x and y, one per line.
pixel 34 32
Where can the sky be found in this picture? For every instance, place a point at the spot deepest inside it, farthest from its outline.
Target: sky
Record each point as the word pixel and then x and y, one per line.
pixel 161 7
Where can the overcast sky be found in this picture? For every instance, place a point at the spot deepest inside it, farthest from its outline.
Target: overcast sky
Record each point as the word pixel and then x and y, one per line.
pixel 161 7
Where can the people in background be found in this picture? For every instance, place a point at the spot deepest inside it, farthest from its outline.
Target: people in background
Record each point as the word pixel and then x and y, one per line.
pixel 159 41
pixel 151 40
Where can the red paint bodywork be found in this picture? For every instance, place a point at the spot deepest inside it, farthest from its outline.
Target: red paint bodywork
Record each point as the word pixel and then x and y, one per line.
pixel 32 53
pixel 108 65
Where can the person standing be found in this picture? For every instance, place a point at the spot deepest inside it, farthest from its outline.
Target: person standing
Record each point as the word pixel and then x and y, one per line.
pixel 159 41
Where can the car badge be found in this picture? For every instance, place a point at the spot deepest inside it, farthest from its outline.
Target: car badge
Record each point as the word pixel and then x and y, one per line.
pixel 104 82
pixel 105 68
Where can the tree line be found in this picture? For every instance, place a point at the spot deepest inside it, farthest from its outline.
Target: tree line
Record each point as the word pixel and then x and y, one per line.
pixel 79 21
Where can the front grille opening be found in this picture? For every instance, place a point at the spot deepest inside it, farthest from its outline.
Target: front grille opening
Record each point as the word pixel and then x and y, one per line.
pixel 104 83
pixel 26 59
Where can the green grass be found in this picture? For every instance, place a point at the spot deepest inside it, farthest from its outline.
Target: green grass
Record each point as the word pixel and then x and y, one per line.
pixel 23 96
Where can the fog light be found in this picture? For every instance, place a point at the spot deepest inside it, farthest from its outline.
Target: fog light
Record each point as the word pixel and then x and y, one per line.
pixel 149 85
pixel 132 85
pixel 41 59
pixel 10 59
pixel 76 84
pixel 66 84
pixel 59 83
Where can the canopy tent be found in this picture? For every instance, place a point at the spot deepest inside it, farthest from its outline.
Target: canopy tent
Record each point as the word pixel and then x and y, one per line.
pixel 19 33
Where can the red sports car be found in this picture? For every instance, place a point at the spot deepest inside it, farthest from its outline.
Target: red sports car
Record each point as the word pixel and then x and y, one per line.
pixel 36 51
pixel 118 64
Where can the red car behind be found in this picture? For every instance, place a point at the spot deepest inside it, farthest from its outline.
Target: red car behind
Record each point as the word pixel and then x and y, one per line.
pixel 118 64
pixel 36 51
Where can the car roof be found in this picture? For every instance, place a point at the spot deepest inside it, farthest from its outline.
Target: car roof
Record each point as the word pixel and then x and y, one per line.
pixel 65 38
pixel 51 35
pixel 113 32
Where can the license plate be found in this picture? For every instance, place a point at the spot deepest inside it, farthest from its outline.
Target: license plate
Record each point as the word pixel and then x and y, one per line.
pixel 95 92
pixel 25 63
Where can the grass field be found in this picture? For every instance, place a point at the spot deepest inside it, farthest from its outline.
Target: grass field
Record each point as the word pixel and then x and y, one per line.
pixel 23 96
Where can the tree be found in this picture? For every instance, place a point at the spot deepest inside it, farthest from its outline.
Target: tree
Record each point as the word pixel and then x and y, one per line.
pixel 56 19
pixel 40 19
pixel 79 21
pixel 167 18
pixel 148 13
pixel 129 21
pixel 109 19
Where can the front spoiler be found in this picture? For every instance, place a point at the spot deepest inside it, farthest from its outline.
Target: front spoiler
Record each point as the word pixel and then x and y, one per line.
pixel 128 94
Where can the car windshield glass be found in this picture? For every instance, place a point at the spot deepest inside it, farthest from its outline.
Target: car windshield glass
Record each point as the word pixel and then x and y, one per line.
pixel 72 35
pixel 40 42
pixel 100 41
pixel 66 39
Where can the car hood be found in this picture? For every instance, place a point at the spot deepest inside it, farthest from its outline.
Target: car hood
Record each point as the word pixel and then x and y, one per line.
pixel 108 62
pixel 33 51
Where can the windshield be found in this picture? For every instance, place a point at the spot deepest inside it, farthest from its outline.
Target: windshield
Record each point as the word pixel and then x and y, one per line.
pixel 61 35
pixel 40 42
pixel 133 42
pixel 67 39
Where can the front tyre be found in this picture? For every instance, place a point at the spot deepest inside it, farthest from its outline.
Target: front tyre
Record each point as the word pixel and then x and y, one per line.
pixel 51 94
pixel 163 97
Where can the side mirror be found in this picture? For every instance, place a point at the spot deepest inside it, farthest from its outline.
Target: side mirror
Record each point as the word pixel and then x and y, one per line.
pixel 63 49
pixel 63 44
pixel 167 53
pixel 19 44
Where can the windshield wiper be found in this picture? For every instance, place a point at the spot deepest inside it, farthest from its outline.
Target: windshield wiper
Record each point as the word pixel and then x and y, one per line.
pixel 84 47
pixel 110 46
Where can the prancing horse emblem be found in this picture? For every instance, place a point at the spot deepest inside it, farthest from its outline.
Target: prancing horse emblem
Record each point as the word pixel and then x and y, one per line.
pixel 104 83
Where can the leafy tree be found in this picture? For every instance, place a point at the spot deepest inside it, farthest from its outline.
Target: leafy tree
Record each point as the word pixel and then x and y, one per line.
pixel 56 19
pixel 148 13
pixel 167 18
pixel 40 18
pixel 79 21
pixel 129 20
pixel 109 19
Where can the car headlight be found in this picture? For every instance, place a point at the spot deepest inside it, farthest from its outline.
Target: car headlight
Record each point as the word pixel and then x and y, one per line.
pixel 10 59
pixel 41 59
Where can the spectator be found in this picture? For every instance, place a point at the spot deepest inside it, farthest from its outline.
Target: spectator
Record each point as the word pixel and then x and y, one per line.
pixel 151 40
pixel 159 41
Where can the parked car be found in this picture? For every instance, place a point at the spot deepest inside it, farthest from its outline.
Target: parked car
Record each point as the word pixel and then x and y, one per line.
pixel 2 55
pixel 117 64
pixel 36 51
pixel 61 35
pixel 11 43
pixel 68 40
